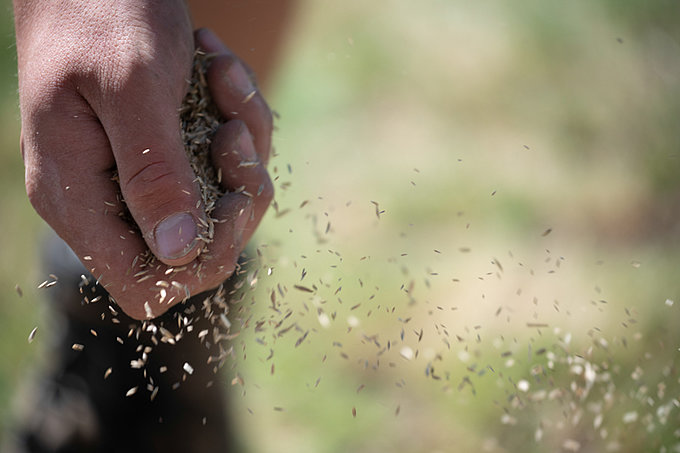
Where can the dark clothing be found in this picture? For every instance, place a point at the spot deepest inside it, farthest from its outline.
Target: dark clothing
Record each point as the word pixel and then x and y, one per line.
pixel 114 384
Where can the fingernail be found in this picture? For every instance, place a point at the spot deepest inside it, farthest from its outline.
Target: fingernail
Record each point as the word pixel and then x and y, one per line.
pixel 240 80
pixel 241 222
pixel 175 235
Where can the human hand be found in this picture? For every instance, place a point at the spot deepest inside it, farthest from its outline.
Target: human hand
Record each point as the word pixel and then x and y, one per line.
pixel 100 87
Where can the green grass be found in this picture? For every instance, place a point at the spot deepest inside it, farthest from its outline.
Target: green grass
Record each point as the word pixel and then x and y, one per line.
pixel 477 128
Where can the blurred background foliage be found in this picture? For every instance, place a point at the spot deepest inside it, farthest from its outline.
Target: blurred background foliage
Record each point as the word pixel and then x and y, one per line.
pixel 484 198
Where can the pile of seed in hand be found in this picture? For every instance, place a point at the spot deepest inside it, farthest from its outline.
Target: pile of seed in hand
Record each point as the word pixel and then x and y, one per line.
pixel 199 120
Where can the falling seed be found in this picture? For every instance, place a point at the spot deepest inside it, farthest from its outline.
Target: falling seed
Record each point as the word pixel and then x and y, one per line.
pixel 238 380
pixel 301 339
pixel 31 335
pixel 546 232
pixel 249 97
pixel 303 288
pixel 131 392
pixel 571 445
pixel 154 392
pixel 630 417
pixel 17 288
pixel 77 347
pixel 147 310
pixel 137 364
pixel 523 385
pixel 354 412
pixel 248 164
pixel 188 368
pixel 406 352
pixel 377 209
pixel 108 372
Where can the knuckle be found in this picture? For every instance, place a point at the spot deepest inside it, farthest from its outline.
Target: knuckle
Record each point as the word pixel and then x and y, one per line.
pixel 153 183
pixel 150 173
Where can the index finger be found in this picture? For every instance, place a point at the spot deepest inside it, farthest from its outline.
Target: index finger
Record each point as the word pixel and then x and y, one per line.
pixel 235 93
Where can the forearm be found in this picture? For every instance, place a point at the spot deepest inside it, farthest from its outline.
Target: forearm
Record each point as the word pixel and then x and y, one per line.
pixel 254 30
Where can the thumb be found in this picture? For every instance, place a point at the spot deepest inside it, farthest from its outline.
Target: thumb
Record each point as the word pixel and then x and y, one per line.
pixel 156 179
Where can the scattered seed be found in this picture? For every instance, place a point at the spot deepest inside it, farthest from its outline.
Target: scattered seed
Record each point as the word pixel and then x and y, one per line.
pixel 303 288
pixel 249 97
pixel 31 335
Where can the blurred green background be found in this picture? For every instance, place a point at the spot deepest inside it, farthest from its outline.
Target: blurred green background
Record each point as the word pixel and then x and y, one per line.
pixel 519 292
